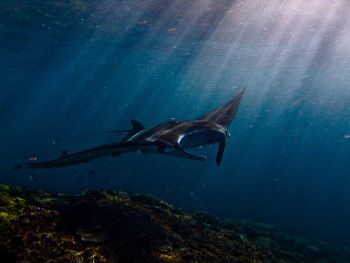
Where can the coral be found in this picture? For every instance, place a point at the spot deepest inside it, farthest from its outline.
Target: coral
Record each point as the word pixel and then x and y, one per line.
pixel 111 226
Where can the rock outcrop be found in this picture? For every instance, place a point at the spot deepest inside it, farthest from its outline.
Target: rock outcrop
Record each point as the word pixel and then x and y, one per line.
pixel 111 226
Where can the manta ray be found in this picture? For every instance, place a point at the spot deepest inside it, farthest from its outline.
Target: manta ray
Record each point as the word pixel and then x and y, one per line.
pixel 172 138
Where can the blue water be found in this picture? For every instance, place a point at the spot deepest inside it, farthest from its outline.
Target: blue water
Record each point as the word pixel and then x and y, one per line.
pixel 288 158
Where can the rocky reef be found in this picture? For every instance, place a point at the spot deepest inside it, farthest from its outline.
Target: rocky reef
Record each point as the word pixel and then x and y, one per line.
pixel 111 226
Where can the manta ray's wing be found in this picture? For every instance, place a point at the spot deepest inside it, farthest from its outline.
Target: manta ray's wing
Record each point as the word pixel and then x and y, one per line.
pixel 225 114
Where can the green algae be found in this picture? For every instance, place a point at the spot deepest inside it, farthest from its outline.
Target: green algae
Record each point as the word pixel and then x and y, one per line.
pixel 12 205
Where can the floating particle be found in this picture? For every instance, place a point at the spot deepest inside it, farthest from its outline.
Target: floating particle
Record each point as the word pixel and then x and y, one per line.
pixel 33 158
pixel 144 22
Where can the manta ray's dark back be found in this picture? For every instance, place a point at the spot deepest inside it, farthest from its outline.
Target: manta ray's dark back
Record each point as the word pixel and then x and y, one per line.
pixel 225 114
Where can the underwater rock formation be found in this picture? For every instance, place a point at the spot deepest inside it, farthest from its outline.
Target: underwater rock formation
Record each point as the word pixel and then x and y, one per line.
pixel 111 226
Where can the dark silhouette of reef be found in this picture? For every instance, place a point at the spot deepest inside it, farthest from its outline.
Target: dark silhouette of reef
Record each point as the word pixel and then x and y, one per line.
pixel 111 226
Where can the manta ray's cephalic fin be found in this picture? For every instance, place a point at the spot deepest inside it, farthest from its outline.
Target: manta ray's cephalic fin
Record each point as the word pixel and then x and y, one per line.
pixel 222 145
pixel 190 155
